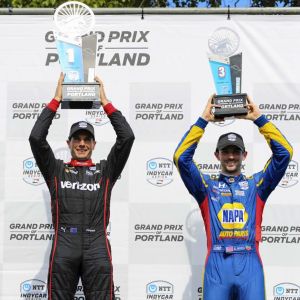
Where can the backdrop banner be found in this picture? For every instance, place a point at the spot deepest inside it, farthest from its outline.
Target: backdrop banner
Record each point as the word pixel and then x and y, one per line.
pixel 157 73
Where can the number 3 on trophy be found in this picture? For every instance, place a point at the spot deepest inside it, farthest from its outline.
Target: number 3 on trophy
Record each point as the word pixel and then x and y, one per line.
pixel 221 72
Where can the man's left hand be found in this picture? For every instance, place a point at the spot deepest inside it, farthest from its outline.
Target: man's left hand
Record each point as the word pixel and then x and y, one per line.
pixel 253 111
pixel 102 95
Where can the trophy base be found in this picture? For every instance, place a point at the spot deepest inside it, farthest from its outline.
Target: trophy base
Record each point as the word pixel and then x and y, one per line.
pixel 65 104
pixel 80 96
pixel 231 105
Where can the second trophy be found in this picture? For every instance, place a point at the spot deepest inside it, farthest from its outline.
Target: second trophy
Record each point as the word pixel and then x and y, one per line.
pixel 226 68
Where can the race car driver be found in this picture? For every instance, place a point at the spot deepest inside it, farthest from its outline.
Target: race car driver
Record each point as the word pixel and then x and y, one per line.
pixel 232 205
pixel 80 202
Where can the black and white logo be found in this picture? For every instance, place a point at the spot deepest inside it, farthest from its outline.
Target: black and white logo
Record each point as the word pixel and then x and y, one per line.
pixel 286 290
pixel 231 137
pixel 158 233
pixel 291 176
pixel 116 48
pixel 96 117
pixel 82 125
pixel 159 111
pixel 80 186
pixel 159 171
pixel 281 111
pixel 28 110
pixel 160 290
pixel 31 172
pixel 31 232
pixel 281 234
pixel 33 289
pixel 224 41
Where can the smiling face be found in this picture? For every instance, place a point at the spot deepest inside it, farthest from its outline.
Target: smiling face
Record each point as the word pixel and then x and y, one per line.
pixel 81 145
pixel 231 159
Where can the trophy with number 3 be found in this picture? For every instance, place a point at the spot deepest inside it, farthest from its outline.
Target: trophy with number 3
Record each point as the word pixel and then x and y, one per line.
pixel 77 55
pixel 226 69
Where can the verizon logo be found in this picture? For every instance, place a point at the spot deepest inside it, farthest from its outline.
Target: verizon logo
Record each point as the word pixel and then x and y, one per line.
pixel 80 186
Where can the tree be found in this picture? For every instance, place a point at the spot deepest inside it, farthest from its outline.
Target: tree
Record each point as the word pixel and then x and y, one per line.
pixel 144 3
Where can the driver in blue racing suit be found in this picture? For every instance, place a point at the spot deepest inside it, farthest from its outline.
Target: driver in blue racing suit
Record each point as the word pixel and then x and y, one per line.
pixel 232 205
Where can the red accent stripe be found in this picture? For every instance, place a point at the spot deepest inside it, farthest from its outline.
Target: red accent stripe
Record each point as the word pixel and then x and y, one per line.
pixel 77 163
pixel 206 218
pixel 55 242
pixel 107 247
pixel 53 105
pixel 109 109
pixel 260 204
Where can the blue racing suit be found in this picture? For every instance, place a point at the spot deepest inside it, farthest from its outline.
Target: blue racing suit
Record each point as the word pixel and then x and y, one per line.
pixel 232 208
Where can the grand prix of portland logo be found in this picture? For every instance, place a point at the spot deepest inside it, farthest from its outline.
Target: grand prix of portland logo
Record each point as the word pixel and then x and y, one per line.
pixel 159 171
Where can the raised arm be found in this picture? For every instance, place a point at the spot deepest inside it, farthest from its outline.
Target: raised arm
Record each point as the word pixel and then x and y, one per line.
pixel 183 156
pixel 120 151
pixel 282 152
pixel 41 149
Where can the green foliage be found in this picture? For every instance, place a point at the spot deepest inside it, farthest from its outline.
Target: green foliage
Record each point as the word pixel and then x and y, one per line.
pixel 90 3
pixel 5 3
pixel 143 3
pixel 194 3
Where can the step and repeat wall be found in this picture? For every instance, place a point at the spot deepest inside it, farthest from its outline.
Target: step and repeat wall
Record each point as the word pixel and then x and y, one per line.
pixel 156 72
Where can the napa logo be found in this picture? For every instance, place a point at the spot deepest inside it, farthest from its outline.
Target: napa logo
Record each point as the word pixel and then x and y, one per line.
pixel 233 216
pixel 160 290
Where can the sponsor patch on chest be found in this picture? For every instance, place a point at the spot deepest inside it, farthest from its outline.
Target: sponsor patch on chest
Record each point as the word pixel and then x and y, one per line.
pixel 79 186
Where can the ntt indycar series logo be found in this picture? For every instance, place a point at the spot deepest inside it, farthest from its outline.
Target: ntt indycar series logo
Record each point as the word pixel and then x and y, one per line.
pixel 286 291
pixel 33 289
pixel 96 117
pixel 159 111
pixel 291 176
pixel 281 111
pixel 31 232
pixel 160 290
pixel 159 171
pixel 118 48
pixel 158 233
pixel 31 172
pixel 28 110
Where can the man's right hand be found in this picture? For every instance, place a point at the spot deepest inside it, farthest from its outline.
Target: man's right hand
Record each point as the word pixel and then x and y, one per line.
pixel 207 113
pixel 58 91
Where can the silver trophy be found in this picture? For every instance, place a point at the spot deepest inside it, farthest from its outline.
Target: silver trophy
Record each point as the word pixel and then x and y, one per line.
pixel 226 68
pixel 77 55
